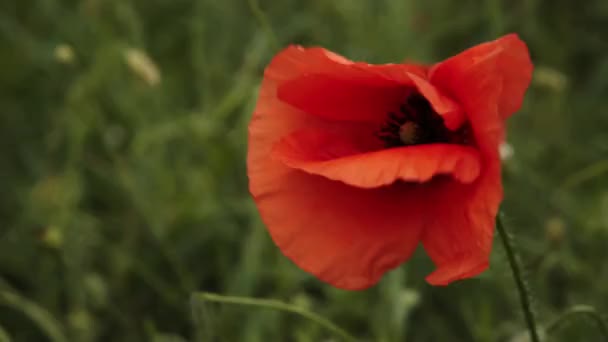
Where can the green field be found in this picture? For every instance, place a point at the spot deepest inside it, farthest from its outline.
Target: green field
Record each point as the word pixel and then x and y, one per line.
pixel 123 137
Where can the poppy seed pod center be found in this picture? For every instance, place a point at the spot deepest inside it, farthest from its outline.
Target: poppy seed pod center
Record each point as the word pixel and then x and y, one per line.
pixel 408 132
pixel 417 123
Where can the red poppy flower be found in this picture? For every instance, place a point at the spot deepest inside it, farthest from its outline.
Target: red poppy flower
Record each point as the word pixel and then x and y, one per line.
pixel 352 165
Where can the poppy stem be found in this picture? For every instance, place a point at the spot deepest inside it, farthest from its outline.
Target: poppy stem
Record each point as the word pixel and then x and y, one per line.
pixel 516 268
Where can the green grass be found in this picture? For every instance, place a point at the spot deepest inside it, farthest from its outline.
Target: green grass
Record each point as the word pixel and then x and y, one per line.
pixel 124 192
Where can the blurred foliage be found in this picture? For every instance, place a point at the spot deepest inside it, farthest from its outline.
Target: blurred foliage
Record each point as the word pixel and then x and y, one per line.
pixel 123 140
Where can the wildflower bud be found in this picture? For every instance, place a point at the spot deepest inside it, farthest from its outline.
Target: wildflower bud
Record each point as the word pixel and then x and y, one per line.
pixel 81 322
pixel 550 78
pixel 64 54
pixel 555 230
pixel 52 237
pixel 506 151
pixel 143 66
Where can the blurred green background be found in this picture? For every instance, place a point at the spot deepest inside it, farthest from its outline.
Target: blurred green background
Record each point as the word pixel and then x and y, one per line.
pixel 122 169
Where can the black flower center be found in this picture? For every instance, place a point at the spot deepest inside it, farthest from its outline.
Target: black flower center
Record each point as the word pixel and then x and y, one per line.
pixel 417 123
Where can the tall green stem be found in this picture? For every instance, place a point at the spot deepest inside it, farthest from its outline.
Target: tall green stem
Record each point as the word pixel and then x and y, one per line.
pixel 276 305
pixel 580 310
pixel 516 268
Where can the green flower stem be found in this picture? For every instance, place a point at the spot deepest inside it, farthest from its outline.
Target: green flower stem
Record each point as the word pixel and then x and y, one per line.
pixel 263 21
pixel 42 318
pixel 516 268
pixel 276 305
pixel 579 310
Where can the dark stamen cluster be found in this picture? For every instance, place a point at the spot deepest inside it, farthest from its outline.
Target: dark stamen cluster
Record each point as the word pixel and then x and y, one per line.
pixel 416 123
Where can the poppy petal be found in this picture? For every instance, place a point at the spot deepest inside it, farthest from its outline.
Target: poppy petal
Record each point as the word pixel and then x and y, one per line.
pixel 336 99
pixel 324 84
pixel 296 61
pixel 453 116
pixel 459 239
pixel 512 72
pixel 476 88
pixel 344 235
pixel 336 157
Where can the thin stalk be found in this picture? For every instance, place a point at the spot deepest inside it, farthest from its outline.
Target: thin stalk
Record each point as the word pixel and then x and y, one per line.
pixel 43 319
pixel 276 305
pixel 579 310
pixel 516 268
pixel 263 21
